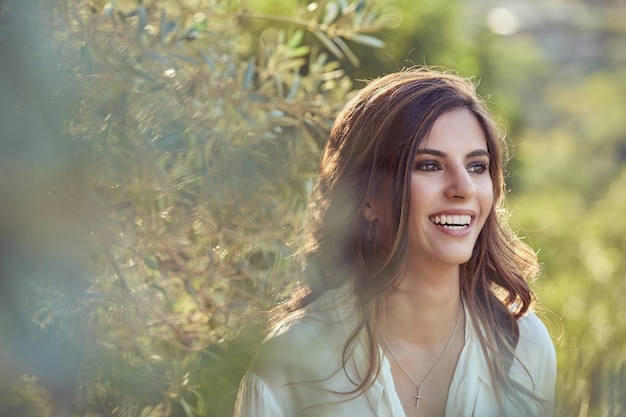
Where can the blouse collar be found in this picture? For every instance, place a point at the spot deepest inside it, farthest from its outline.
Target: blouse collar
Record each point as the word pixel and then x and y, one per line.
pixel 471 371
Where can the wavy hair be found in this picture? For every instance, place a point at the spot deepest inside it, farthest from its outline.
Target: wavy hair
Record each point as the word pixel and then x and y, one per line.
pixel 369 155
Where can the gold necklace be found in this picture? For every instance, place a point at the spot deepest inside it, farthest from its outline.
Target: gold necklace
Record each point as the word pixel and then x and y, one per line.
pixel 418 394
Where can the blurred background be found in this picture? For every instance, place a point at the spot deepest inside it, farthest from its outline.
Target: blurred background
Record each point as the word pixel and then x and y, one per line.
pixel 156 158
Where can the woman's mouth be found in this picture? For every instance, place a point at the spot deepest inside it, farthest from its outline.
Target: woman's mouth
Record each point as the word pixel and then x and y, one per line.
pixel 452 222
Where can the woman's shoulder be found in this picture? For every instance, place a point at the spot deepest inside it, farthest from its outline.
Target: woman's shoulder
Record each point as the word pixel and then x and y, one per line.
pixel 535 362
pixel 535 348
pixel 315 336
pixel 329 307
pixel 533 331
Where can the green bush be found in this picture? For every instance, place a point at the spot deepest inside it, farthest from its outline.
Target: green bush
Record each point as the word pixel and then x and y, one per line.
pixel 187 136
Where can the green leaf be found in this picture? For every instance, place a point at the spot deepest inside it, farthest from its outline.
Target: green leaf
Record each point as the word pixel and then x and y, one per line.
pixel 166 27
pixel 208 61
pixel 95 295
pixel 329 44
pixel 331 12
pixel 186 408
pixel 200 403
pixel 298 52
pixel 159 289
pixel 367 40
pixel 291 64
pixel 295 39
pixel 279 85
pixel 347 51
pixel 247 77
pixel 143 21
pixel 294 87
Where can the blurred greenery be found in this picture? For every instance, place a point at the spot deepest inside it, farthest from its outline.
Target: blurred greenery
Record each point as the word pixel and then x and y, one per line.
pixel 156 157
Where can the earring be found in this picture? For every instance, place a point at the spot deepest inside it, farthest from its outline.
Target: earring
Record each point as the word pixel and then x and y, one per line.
pixel 370 231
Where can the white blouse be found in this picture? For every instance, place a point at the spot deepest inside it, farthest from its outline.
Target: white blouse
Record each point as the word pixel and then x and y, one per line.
pixel 297 371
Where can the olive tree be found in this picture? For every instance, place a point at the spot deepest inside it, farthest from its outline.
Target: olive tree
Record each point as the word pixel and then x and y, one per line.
pixel 189 134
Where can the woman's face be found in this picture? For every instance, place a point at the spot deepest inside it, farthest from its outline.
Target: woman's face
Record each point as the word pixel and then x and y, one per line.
pixel 451 191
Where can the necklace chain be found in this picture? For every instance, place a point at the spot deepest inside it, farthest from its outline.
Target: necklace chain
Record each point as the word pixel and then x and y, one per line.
pixel 418 394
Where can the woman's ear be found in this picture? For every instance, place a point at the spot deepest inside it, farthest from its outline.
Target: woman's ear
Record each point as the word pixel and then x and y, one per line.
pixel 369 212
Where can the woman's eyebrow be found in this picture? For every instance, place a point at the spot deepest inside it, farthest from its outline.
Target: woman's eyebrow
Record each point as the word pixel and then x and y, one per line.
pixel 428 151
pixel 478 152
pixel 441 154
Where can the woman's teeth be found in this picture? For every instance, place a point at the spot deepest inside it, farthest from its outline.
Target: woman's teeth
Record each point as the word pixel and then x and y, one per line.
pixel 454 222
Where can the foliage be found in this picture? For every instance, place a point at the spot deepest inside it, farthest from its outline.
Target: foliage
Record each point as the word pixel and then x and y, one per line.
pixel 582 293
pixel 188 153
pixel 570 198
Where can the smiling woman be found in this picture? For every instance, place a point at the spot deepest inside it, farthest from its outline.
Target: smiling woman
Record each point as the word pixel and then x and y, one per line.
pixel 415 300
pixel 451 190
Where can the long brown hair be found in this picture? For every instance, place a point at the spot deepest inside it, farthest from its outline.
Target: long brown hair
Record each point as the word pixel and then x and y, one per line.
pixel 369 155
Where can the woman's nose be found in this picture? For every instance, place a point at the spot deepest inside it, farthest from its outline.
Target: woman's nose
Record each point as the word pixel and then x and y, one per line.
pixel 460 184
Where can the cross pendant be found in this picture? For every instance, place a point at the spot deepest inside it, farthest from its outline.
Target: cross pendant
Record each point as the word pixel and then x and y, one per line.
pixel 418 396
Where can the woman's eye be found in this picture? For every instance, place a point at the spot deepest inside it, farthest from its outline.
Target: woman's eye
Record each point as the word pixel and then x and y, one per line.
pixel 478 168
pixel 427 166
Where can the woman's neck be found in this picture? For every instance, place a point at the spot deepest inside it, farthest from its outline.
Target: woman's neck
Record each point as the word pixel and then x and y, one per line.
pixel 423 308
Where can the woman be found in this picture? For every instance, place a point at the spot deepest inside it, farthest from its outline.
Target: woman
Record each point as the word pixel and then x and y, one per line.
pixel 416 300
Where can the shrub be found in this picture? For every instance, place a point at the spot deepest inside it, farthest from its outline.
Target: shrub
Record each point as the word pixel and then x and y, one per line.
pixel 188 141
